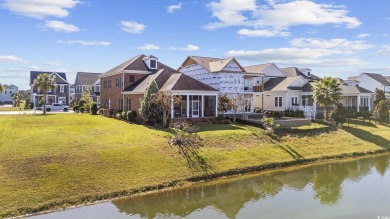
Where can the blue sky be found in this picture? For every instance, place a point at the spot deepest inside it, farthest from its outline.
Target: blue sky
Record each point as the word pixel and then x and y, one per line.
pixel 334 38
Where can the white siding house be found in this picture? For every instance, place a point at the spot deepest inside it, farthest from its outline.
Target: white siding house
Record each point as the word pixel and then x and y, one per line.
pixel 372 81
pixel 5 96
pixel 225 75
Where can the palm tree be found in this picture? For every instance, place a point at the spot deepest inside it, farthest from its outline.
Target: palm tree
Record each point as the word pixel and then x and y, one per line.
pixel 327 93
pixel 45 83
pixel 1 88
pixel 15 98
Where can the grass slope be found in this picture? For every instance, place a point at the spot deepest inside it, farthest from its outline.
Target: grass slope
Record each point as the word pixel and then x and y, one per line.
pixel 56 160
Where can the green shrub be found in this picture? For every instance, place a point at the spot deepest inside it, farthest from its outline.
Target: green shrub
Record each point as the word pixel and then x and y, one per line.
pixel 82 102
pixel 123 115
pixel 94 108
pixel 131 116
pixel 76 108
pixel 81 109
pixel 270 125
pixel 118 115
pixel 87 107
pixel 100 111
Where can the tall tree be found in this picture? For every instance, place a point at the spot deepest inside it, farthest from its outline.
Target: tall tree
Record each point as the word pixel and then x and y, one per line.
pixel 381 112
pixel 148 109
pixel 45 83
pixel 379 96
pixel 164 101
pixel 327 93
pixel 15 98
pixel 223 104
pixel 237 104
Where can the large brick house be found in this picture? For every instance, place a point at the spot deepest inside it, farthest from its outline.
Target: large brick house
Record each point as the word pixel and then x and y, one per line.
pixel 123 87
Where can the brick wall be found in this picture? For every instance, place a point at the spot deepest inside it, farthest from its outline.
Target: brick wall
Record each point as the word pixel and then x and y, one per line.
pixel 135 101
pixel 114 93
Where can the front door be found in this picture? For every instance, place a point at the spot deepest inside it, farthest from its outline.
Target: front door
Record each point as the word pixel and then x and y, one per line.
pixel 195 108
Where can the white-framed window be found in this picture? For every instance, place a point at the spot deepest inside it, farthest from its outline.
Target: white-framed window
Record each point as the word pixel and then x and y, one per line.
pixel 153 64
pixel 364 101
pixel 278 101
pixel 62 100
pixel 62 88
pixel 294 100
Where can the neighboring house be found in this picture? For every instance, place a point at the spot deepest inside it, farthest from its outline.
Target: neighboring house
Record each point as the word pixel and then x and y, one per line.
pixel 372 81
pixel 5 96
pixel 86 81
pixel 60 94
pixel 123 88
pixel 355 97
pixel 225 75
pixel 71 92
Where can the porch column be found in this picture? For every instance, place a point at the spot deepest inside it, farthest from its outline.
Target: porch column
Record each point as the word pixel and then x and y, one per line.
pixel 216 105
pixel 202 102
pixel 287 101
pixel 172 109
pixel 369 103
pixel 358 103
pixel 188 106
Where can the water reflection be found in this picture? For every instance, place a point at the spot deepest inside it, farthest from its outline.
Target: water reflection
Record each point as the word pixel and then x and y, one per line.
pixel 230 196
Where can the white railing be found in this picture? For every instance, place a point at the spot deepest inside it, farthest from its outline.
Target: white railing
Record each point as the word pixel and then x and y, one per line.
pixel 308 111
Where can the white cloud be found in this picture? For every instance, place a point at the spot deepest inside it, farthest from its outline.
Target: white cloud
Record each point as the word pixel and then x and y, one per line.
pixel 190 48
pixel 52 63
pixel 384 50
pixel 132 27
pixel 60 26
pixel 84 43
pixel 277 15
pixel 11 58
pixel 363 35
pixel 295 56
pixel 230 12
pixel 173 8
pixel 308 51
pixel 148 47
pixel 339 44
pixel 262 33
pixel 40 8
pixel 32 67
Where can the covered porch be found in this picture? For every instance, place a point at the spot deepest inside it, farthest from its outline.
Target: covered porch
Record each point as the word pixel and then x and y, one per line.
pixel 357 102
pixel 194 105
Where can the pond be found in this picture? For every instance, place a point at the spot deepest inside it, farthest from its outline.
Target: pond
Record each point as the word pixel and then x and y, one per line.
pixel 354 188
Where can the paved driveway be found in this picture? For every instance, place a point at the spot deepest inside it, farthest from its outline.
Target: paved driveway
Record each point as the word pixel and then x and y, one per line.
pixel 21 112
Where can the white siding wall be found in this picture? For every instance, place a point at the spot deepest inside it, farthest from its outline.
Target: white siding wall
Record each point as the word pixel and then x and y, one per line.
pixel 6 94
pixel 223 81
pixel 369 83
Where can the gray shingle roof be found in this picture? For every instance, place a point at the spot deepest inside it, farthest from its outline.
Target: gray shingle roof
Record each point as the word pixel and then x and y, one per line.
pixel 378 77
pixel 353 89
pixel 167 80
pixel 34 75
pixel 86 78
pixel 135 64
pixel 213 64
pixel 293 72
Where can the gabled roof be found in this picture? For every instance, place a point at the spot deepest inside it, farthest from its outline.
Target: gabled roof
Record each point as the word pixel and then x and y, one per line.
pixel 212 64
pixel 135 64
pixel 60 80
pixel 258 68
pixel 353 89
pixel 293 72
pixel 261 69
pixel 283 84
pixel 180 81
pixel 168 80
pixel 86 78
pixel 378 77
pixel 11 86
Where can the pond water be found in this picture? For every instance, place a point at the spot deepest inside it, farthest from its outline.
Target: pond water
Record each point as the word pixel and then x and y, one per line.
pixel 358 188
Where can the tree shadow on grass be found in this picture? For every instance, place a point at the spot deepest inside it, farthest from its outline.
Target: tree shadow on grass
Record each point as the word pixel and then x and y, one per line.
pixel 195 160
pixel 368 136
pixel 358 122
pixel 293 153
pixel 218 127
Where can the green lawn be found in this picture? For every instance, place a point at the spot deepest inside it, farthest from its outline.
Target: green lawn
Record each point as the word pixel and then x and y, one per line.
pixel 58 160
pixel 11 108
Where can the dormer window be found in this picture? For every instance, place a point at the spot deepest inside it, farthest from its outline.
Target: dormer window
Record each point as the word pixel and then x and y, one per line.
pixel 308 74
pixel 153 64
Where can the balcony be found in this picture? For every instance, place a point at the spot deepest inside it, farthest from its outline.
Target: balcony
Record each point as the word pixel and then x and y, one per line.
pixel 254 89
